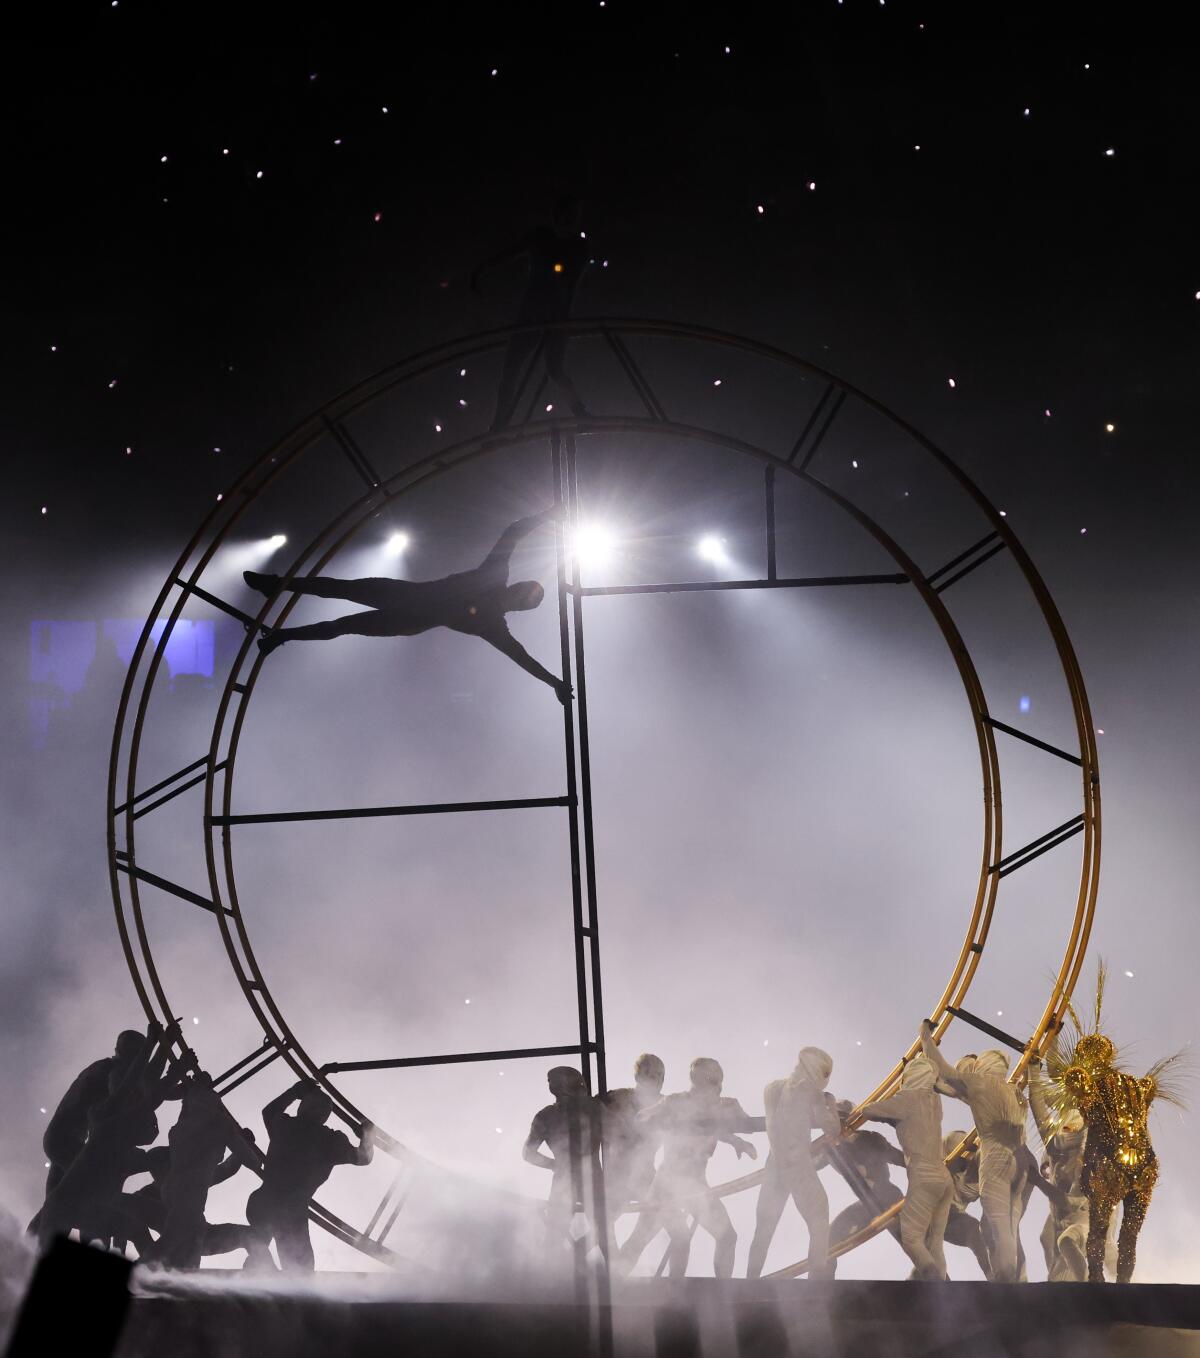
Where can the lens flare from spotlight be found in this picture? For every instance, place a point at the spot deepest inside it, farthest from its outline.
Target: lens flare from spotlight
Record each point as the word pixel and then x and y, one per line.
pixel 593 545
pixel 711 548
pixel 396 545
pixel 278 540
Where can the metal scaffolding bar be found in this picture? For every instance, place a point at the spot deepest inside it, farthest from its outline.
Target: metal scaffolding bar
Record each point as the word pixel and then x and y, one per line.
pixel 636 377
pixel 769 478
pixel 1035 848
pixel 985 1027
pixel 700 586
pixel 588 926
pixel 453 1059
pixel 357 458
pixel 172 887
pixel 966 570
pixel 961 557
pixel 819 437
pixel 166 782
pixel 1033 740
pixel 366 812
pixel 244 618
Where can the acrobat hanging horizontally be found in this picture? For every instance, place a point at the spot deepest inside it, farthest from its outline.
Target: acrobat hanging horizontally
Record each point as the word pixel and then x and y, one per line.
pixel 474 602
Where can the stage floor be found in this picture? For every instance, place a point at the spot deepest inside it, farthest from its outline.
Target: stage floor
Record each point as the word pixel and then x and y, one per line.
pixel 227 1315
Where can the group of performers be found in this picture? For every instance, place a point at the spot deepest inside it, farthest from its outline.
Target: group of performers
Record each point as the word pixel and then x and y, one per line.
pixel 650 1152
pixel 639 1151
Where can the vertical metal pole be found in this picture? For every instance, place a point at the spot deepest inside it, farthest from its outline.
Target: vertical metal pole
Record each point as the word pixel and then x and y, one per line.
pixel 770 483
pixel 560 549
pixel 603 1334
pixel 585 777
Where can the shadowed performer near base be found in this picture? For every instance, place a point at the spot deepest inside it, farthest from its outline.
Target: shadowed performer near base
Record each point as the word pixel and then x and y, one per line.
pixel 302 1154
pixel 474 602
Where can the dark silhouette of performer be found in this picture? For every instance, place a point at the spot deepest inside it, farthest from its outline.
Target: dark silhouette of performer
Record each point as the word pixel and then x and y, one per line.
pixel 302 1154
pixel 572 1127
pixel 148 1206
pixel 629 1145
pixel 67 1129
pixel 870 1156
pixel 690 1125
pixel 558 257
pixel 474 602
pixel 89 1197
pixel 197 1160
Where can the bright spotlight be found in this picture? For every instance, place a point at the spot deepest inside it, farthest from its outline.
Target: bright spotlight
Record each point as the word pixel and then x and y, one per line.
pixel 593 545
pixel 397 544
pixel 712 549
pixel 274 543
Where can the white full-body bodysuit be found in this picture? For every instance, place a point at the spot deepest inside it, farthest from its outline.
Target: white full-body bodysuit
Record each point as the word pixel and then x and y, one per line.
pixel 795 1107
pixel 1064 1236
pixel 999 1112
pixel 916 1113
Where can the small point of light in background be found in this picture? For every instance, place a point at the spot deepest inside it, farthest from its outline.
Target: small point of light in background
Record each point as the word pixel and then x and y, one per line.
pixel 195 1019
pixel 1109 151
pixel 466 1001
pixel 45 509
pixel 916 148
pixel 1023 705
pixel 766 1041
pixel 42 1110
pixel 550 407
pixel 47 1164
pixel 760 209
pixel 1046 413
pixel 858 1042
pixel 258 174
pixel 952 382
pixel 378 217
pixel 854 463
pixel 1026 112
pixel 220 498
pixel 462 372
pixel 1082 531
pixel 437 428
pixel 1128 973
pixel 712 549
pixel 593 545
pixel 499 1131
pixel 999 1013
pixel 1004 513
pixel 224 150
pixel 54 347
pixel 811 185
pixel 112 384
pixel 462 401
pixel 397 544
pixel 1110 428
pixel 495 70
pixel 1099 730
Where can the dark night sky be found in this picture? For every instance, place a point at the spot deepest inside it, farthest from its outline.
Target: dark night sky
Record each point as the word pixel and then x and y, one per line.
pixel 967 222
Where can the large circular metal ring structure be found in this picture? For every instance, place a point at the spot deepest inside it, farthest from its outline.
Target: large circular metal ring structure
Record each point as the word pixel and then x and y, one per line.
pixel 133 794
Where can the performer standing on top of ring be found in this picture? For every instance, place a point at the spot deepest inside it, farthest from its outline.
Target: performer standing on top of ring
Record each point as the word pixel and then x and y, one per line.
pixel 473 602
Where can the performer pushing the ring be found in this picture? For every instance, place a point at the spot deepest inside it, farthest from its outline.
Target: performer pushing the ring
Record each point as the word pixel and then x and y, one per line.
pixel 474 602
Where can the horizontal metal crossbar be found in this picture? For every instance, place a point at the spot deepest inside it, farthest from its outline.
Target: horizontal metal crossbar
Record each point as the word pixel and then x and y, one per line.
pixel 967 569
pixel 173 887
pixel 261 1050
pixel 357 458
pixel 166 782
pixel 1050 840
pixel 362 812
pixel 208 598
pixel 455 1058
pixel 985 1027
pixel 250 1073
pixel 961 557
pixel 698 586
pixel 1033 740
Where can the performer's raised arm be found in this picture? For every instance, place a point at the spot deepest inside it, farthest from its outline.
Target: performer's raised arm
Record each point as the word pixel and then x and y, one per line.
pixel 945 1070
pixel 498 558
pixel 279 1106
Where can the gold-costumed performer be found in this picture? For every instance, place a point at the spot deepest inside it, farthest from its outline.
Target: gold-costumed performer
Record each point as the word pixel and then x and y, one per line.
pixel 1119 1163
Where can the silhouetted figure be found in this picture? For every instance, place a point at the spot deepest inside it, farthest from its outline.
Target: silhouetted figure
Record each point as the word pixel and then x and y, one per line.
pixel 558 257
pixel 629 1144
pixel 302 1154
pixel 795 1106
pixel 197 1144
pixel 572 1127
pixel 868 1156
pixel 68 1126
pixel 690 1125
pixel 89 1197
pixel 474 602
pixel 147 1205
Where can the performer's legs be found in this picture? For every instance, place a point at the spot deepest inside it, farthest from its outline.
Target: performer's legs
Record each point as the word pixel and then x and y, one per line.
pixel 937 1228
pixel 648 1225
pixel 375 623
pixel 928 1196
pixel 812 1202
pixel 711 1214
pixel 223 1237
pixel 963 1230
pixel 556 350
pixel 293 1242
pixel 849 1222
pixel 1133 1214
pixel 997 1168
pixel 519 359
pixel 1100 1211
pixel 772 1198
pixel 260 1215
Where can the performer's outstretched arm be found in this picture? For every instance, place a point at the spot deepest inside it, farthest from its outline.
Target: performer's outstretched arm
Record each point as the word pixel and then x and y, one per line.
pixel 945 1070
pixel 508 645
pixel 498 558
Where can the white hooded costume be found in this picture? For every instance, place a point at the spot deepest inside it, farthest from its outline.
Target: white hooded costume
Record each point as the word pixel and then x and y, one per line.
pixel 999 1113
pixel 795 1107
pixel 916 1113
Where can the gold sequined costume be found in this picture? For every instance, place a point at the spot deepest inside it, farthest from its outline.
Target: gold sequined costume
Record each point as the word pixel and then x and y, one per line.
pixel 1119 1163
